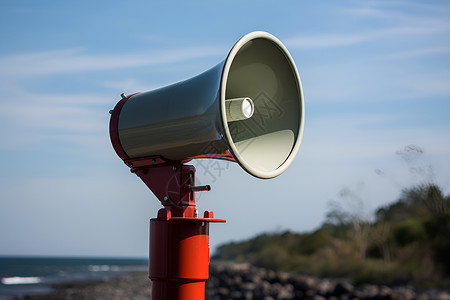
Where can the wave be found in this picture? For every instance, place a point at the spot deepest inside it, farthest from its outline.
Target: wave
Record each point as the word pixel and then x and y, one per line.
pixel 103 268
pixel 20 280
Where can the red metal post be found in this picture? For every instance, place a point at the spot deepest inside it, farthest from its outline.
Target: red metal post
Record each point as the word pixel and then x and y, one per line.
pixel 179 259
pixel 179 239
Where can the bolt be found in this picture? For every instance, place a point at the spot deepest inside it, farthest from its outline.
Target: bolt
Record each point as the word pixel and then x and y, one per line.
pixel 111 111
pixel 174 168
pixel 123 95
pixel 166 198
pixel 195 213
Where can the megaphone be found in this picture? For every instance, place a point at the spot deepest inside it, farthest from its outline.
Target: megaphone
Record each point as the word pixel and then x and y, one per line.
pixel 248 108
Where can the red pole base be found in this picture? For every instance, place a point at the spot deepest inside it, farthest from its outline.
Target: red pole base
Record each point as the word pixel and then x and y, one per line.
pixel 178 290
pixel 179 259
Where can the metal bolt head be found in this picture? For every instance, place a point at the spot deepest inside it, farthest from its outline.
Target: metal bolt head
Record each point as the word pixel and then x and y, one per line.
pixel 166 198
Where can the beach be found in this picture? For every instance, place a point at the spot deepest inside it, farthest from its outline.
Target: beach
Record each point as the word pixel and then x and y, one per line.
pixel 134 286
pixel 242 281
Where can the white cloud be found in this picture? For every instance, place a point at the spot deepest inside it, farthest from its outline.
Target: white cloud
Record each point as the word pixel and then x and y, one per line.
pixel 417 12
pixel 424 85
pixel 324 41
pixel 130 84
pixel 394 23
pixel 33 118
pixel 75 60
pixel 339 40
pixel 415 53
pixel 375 79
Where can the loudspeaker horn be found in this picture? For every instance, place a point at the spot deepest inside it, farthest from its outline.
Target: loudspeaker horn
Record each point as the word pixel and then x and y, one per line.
pixel 249 108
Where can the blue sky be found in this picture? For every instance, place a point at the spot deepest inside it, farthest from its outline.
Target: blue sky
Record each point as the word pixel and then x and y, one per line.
pixel 376 78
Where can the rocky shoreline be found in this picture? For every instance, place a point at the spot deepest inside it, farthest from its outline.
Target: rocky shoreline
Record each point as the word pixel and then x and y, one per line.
pixel 243 281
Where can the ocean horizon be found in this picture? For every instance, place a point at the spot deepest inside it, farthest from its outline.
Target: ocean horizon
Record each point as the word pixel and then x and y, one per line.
pixel 31 275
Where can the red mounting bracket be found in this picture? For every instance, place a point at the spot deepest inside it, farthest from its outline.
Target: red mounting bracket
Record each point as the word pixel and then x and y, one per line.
pixel 173 183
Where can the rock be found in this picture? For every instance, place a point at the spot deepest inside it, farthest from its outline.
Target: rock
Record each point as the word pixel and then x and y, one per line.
pixel 325 287
pixel 303 282
pixel 343 288
pixel 369 291
pixel 404 293
pixel 423 296
pixel 385 291
pixel 444 296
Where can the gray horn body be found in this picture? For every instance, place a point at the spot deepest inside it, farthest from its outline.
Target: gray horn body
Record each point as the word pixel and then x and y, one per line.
pixel 251 105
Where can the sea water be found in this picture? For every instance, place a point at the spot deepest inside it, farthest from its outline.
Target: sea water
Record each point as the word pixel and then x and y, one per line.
pixel 21 276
